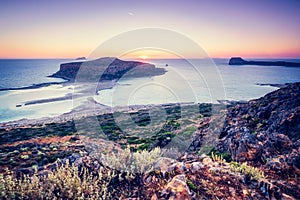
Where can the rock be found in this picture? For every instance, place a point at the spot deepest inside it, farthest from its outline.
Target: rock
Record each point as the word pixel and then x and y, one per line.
pixel 270 191
pixel 240 61
pixel 178 189
pixel 180 167
pixel 108 68
pixel 74 157
pixel 26 171
pixel 196 166
pixel 236 61
pixel 73 139
pixel 165 165
pixel 264 128
pixel 296 164
pixel 207 161
pixel 154 197
pixel 81 58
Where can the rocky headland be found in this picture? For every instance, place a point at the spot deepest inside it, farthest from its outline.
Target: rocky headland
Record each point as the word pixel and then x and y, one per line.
pixel 252 153
pixel 241 61
pixel 107 68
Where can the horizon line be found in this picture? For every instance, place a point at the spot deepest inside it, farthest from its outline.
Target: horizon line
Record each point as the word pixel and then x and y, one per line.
pixel 138 58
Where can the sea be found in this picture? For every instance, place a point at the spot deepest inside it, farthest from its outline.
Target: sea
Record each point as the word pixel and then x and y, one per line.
pixel 185 81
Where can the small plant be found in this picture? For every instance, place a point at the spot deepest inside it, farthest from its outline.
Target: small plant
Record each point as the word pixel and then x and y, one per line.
pixel 24 157
pixel 209 150
pixel 244 168
pixel 217 158
pixel 191 185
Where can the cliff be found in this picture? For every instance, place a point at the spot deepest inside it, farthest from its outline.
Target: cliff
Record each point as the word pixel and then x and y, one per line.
pixel 107 68
pixel 240 61
pixel 266 133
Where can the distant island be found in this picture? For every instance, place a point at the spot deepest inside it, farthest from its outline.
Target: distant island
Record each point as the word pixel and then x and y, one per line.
pixel 108 68
pixel 81 58
pixel 241 61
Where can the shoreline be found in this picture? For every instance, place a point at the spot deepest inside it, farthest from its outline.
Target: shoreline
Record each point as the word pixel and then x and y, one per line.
pixel 277 85
pixel 81 111
pixel 36 86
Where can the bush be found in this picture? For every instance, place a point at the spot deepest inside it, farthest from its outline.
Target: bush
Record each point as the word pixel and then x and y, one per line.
pixel 67 182
pixel 131 163
pixel 244 168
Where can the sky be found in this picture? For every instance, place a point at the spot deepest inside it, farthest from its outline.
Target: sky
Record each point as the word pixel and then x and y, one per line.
pixel 70 29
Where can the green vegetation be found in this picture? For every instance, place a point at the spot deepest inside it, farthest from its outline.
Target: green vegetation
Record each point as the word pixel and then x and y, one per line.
pixel 211 151
pixel 191 185
pixel 244 168
pixel 25 157
pixel 30 148
pixel 188 131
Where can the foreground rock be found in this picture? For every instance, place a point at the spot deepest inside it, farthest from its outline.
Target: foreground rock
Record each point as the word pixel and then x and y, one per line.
pixel 266 132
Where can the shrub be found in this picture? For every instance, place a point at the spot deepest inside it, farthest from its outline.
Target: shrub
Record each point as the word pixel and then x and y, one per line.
pixel 67 182
pixel 132 163
pixel 244 168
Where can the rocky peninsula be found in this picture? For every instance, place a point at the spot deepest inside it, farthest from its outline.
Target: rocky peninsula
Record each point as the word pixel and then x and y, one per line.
pixel 254 153
pixel 241 61
pixel 107 68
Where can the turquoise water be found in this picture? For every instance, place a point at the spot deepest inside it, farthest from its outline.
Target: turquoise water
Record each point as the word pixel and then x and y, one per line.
pixel 15 73
pixel 199 81
pixel 185 81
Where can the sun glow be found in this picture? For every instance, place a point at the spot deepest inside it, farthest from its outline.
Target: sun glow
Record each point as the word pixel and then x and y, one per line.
pixel 144 57
pixel 148 54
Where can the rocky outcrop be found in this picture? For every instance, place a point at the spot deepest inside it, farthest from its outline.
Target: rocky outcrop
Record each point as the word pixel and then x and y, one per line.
pixel 271 121
pixel 266 132
pixel 107 68
pixel 240 61
pixel 81 58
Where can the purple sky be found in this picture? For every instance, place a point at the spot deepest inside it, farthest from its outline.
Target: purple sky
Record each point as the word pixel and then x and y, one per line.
pixel 40 29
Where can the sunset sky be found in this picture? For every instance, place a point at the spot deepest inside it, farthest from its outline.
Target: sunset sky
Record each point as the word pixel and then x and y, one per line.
pixel 68 28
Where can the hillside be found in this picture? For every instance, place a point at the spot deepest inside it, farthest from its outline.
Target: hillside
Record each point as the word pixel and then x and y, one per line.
pixel 254 154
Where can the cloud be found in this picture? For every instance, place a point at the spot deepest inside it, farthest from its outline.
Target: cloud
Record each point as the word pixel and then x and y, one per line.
pixel 130 13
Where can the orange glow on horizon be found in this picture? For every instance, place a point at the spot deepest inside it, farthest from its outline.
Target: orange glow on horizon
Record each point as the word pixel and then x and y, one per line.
pixel 27 53
pixel 145 54
pixel 144 57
